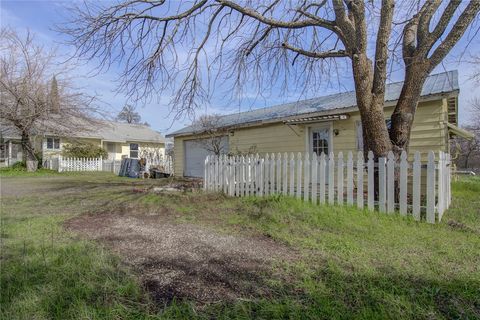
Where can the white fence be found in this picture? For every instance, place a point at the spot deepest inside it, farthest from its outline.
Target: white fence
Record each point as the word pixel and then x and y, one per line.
pixel 335 180
pixel 98 164
pixel 80 164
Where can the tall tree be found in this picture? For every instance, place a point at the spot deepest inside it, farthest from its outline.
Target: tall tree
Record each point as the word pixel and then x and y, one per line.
pixel 129 115
pixel 54 96
pixel 28 95
pixel 260 43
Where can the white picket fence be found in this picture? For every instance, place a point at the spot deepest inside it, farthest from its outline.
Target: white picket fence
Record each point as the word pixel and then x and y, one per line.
pixel 79 164
pixel 98 164
pixel 424 190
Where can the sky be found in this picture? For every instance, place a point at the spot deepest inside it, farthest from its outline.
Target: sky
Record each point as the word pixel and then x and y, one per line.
pixel 40 17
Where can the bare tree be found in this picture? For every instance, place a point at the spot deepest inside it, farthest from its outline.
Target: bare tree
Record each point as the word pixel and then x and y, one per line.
pixel 129 114
pixel 259 43
pixel 467 151
pixel 212 133
pixel 30 100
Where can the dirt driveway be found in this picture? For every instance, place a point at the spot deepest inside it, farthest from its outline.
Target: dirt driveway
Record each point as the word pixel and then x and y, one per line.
pixel 173 258
pixel 184 260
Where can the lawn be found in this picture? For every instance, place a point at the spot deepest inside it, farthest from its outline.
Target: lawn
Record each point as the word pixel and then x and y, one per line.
pixel 72 248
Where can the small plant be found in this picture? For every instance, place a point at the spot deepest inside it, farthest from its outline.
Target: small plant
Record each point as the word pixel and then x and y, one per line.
pixel 83 150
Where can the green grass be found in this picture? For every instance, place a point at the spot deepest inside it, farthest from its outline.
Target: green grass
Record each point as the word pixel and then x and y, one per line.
pixel 350 263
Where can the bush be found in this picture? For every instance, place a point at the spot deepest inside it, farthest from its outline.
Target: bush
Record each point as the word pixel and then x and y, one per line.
pixel 84 150
pixel 19 165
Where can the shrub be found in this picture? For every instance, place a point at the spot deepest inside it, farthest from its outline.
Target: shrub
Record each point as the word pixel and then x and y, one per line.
pixel 83 150
pixel 19 165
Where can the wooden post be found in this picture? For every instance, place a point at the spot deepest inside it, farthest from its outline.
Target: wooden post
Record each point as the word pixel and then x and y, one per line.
pixel 279 174
pixel 431 188
pixel 340 169
pixel 417 178
pixel 350 179
pixel 285 174
pixel 381 185
pixel 306 177
pixel 322 168
pixel 360 180
pixel 314 178
pixel 292 174
pixel 403 183
pixel 371 181
pixel 331 178
pixel 390 182
pixel 299 176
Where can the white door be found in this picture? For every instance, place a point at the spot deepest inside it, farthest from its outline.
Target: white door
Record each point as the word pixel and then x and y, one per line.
pixel 320 140
pixel 111 150
pixel 195 153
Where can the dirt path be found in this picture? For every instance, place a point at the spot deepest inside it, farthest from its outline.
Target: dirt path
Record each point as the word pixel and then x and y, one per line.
pixel 183 260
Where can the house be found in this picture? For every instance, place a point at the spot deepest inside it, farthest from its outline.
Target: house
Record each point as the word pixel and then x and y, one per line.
pixel 325 124
pixel 120 140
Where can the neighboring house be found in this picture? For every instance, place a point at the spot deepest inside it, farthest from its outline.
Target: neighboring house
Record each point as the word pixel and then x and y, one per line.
pixel 325 124
pixel 120 140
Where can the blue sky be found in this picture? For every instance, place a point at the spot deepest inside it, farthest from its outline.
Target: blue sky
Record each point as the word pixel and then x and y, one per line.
pixel 41 16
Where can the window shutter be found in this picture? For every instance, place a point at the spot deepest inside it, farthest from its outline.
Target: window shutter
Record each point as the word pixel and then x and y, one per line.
pixel 359 130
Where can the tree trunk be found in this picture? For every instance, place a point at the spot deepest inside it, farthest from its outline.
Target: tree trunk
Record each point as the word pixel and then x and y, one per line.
pixel 31 161
pixel 375 132
pixel 404 113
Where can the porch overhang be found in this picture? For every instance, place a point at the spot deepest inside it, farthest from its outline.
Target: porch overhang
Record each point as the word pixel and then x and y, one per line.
pixel 304 120
pixel 460 132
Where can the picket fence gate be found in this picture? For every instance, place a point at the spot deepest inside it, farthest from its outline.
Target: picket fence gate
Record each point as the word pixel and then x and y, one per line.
pixel 329 179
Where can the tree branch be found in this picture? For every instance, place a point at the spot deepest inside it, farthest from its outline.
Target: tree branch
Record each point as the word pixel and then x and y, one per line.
pixel 317 55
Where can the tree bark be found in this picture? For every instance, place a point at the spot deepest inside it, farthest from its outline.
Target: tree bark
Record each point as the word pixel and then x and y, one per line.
pixel 404 113
pixel 375 133
pixel 29 156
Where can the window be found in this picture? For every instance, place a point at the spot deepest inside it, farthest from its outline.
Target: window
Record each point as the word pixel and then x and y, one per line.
pixel 358 125
pixel 53 143
pixel 320 141
pixel 133 150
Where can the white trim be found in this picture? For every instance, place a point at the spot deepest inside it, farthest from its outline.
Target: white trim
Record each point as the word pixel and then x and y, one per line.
pixel 320 125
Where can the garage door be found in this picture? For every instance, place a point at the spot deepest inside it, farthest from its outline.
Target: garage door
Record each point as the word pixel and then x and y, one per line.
pixel 195 154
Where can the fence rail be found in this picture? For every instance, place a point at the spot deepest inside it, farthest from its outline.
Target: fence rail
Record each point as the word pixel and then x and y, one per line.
pixel 98 164
pixel 386 185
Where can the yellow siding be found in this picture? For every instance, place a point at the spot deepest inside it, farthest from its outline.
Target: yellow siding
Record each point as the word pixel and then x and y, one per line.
pixel 429 132
pixel 179 155
pixel 266 139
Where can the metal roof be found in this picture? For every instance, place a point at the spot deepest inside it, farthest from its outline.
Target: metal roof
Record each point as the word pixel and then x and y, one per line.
pixel 435 84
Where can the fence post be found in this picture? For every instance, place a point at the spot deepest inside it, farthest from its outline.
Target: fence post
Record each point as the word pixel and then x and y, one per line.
pixel 285 174
pixel 306 177
pixel 322 168
pixel 431 188
pixel 417 178
pixel 299 176
pixel 441 189
pixel 279 173
pixel 331 178
pixel 205 174
pixel 340 169
pixel 360 180
pixel 381 184
pixel 403 183
pixel 60 163
pixel 390 182
pixel 266 174
pixel 371 181
pixel 350 178
pixel 292 174
pixel 272 174
pixel 314 178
